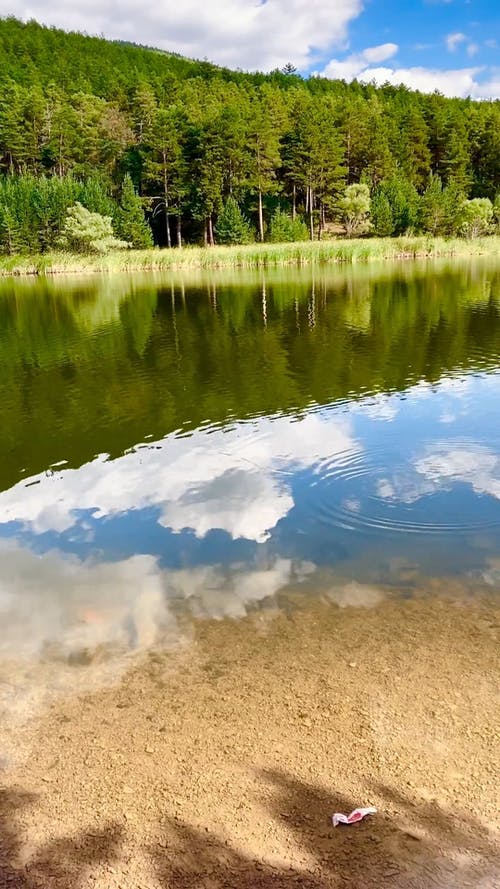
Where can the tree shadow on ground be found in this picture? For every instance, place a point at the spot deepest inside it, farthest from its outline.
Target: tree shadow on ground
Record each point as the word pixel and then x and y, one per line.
pixel 61 864
pixel 418 846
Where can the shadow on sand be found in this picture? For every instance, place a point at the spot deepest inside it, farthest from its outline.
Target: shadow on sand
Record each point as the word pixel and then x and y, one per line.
pixel 418 846
pixel 61 864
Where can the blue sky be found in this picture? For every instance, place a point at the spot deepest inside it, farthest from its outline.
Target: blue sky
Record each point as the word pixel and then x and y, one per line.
pixel 444 44
pixel 450 45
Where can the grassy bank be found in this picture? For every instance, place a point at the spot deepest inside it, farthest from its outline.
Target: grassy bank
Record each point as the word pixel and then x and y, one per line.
pixel 249 256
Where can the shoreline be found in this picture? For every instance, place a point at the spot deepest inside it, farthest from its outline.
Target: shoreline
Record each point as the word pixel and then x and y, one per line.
pixel 249 256
pixel 219 764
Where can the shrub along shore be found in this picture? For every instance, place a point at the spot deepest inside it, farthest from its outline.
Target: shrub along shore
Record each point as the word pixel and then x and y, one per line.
pixel 249 256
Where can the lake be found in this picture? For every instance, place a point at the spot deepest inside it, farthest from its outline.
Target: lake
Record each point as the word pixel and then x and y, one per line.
pixel 209 445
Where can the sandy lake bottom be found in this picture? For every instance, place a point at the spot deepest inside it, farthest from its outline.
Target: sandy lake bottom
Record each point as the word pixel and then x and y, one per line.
pixel 218 762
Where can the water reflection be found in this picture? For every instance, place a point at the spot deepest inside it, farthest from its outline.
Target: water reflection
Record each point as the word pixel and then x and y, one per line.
pixel 203 447
pixel 234 479
pixel 91 609
pixel 173 355
pixel 58 606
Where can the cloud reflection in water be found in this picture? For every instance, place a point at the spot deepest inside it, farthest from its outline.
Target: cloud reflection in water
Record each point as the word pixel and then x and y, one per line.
pixel 230 479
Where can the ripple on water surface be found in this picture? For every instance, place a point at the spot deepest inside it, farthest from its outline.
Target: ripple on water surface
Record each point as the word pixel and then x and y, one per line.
pixel 209 449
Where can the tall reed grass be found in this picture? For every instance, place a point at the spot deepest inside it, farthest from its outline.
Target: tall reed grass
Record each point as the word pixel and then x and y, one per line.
pixel 249 256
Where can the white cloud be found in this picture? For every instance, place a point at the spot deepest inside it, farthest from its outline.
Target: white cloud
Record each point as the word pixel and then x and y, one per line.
pixel 57 605
pixel 454 40
pixel 238 33
pixel 476 466
pixel 472 49
pixel 218 591
pixel 451 82
pixel 231 479
pixel 457 387
pixel 379 53
pixel 62 612
pixel 440 468
pixel 77 605
pixel 355 595
pixel 447 417
pixel 457 82
pixel 353 65
pixel 377 407
pixel 489 89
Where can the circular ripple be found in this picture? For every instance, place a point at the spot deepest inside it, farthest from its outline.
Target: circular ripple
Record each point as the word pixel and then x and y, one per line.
pixel 355 506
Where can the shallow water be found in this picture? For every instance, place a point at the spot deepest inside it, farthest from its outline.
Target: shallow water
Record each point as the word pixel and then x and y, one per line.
pixel 210 444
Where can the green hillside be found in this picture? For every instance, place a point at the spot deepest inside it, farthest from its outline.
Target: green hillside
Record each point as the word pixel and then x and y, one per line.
pixel 85 112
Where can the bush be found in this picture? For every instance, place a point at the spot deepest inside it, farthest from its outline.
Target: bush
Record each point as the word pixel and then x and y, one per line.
pixel 283 228
pixel 496 215
pixel 475 217
pixel 86 232
pixel 355 209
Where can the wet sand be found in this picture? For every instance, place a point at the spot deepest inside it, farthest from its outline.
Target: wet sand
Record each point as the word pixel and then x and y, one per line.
pixel 220 763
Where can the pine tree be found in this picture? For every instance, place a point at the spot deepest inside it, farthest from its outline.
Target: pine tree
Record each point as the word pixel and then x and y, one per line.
pixel 438 207
pixel 378 161
pixel 264 148
pixel 404 203
pixel 283 228
pixel 232 227
pixel 130 222
pixel 415 157
pixel 11 240
pixel 317 156
pixel 456 158
pixel 382 220
pixel 165 166
pixel 206 154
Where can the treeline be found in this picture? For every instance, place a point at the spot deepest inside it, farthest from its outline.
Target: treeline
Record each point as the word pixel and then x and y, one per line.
pixel 221 155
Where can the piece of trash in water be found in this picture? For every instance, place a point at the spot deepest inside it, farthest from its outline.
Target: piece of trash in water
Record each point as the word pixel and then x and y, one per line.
pixel 356 815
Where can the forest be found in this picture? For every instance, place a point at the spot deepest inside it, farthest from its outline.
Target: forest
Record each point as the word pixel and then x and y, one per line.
pixel 167 150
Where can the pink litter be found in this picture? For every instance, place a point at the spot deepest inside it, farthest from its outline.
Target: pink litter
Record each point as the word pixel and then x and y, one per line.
pixel 356 815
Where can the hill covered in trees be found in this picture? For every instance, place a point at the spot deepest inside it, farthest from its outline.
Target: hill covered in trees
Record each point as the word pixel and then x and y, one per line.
pixel 218 154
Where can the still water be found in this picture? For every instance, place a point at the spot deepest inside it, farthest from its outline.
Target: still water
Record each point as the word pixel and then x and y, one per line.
pixel 210 444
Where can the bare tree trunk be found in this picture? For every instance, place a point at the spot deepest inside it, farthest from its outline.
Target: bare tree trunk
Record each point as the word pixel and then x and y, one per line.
pixel 311 216
pixel 179 230
pixel 205 233
pixel 294 202
pixel 211 231
pixel 165 194
pixel 167 227
pixel 261 217
pixel 321 220
pixel 60 164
